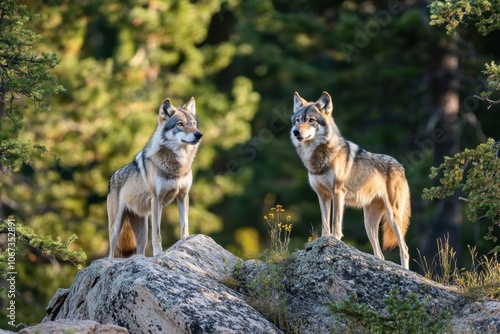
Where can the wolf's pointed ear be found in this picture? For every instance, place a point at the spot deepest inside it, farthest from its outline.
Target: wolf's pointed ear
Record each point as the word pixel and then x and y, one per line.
pixel 190 106
pixel 297 102
pixel 325 103
pixel 166 110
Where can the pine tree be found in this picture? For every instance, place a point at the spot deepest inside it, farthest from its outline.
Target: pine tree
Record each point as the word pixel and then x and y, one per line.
pixel 475 171
pixel 25 83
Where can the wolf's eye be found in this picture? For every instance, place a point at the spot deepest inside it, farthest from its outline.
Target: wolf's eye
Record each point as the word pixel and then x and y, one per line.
pixel 312 120
pixel 180 124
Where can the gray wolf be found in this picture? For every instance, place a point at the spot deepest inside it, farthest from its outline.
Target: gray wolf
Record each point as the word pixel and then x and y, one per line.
pixel 160 173
pixel 342 173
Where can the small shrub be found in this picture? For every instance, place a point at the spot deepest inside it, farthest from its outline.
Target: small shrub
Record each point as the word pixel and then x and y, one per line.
pixel 231 280
pixel 401 315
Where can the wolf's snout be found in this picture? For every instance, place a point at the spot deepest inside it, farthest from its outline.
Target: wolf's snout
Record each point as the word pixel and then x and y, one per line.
pixel 198 135
pixel 296 133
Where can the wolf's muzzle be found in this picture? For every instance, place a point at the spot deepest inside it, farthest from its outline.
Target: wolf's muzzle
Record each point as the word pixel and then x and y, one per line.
pixel 298 135
pixel 198 135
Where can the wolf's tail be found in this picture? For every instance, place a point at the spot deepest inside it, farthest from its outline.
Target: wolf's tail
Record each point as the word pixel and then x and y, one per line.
pixel 126 244
pixel 401 206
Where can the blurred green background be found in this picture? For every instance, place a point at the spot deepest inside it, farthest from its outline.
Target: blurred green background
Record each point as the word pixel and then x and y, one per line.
pixel 394 80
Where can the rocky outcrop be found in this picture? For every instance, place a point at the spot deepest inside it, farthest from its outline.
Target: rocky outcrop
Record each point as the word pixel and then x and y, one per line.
pixel 328 270
pixel 178 291
pixel 181 291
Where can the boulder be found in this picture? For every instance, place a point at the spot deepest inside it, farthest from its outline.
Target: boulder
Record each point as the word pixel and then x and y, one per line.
pixel 328 270
pixel 178 291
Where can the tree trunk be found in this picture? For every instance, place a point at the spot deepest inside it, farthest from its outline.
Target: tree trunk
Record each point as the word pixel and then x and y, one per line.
pixel 443 105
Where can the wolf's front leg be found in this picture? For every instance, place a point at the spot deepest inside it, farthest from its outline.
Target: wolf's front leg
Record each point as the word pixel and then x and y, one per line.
pixel 325 205
pixel 339 192
pixel 155 225
pixel 183 206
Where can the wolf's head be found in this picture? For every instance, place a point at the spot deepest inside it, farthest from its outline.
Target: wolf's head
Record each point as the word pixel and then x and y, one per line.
pixel 312 121
pixel 179 124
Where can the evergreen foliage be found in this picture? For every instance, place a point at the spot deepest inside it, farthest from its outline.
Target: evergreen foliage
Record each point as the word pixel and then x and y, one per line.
pixel 23 237
pixel 492 72
pixel 452 13
pixel 480 168
pixel 25 77
pixel 485 13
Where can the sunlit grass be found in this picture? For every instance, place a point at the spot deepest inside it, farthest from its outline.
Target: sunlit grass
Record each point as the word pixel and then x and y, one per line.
pixel 480 281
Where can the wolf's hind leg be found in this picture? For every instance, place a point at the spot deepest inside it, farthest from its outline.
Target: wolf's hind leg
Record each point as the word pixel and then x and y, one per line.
pixel 372 215
pixel 398 233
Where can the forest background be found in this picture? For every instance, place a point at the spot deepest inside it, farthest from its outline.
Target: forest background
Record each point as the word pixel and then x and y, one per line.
pixel 399 86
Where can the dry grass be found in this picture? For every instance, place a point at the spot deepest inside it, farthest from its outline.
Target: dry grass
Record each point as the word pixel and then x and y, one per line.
pixel 480 281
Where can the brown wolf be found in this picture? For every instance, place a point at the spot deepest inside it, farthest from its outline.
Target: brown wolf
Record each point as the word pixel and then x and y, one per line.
pixel 160 173
pixel 345 174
